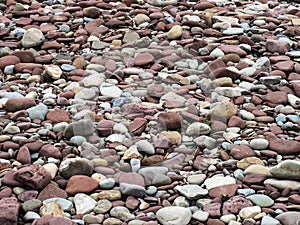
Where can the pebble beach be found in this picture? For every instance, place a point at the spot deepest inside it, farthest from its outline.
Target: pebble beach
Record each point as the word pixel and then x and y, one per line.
pixel 149 112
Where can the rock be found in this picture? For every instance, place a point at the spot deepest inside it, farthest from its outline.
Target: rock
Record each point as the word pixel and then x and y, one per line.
pixel 16 104
pixel 268 220
pixel 242 151
pixel 175 32
pixel 205 142
pixel 170 120
pixel 277 46
pixel 145 147
pixel 51 208
pixel 103 206
pixel 141 18
pixel 155 175
pixel 174 215
pixel 81 184
pixel 79 128
pixel 38 112
pixel 110 195
pixel 49 219
pixel 200 215
pixel 259 143
pixel 132 178
pixel 217 181
pixel 110 90
pixel 8 60
pixel 213 208
pixel 261 200
pixel 52 191
pixel 288 218
pixel 75 166
pixel 9 211
pixel 33 37
pixel 223 111
pixel 137 126
pixel 121 213
pixel 235 204
pixel 34 176
pixel 173 136
pixel 91 12
pixel 84 203
pixel 143 59
pixel 288 169
pixel 197 129
pixel 53 71
pixel 192 191
pixel 277 97
pixel 249 212
pixel 225 190
pixel 132 189
pixel 283 184
pixel 290 147
pixel 58 116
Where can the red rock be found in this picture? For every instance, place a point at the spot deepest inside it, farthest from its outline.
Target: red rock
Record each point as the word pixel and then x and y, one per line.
pixel 53 220
pixel 23 155
pixel 8 179
pixel 201 6
pixel 170 120
pixel 51 45
pixel 233 49
pixel 143 59
pixel 10 145
pixel 20 67
pixel 275 144
pixel 236 121
pixel 132 178
pixel 255 178
pixel 58 115
pixel 214 209
pixel 25 56
pixel 8 60
pixel 28 195
pixel 50 150
pixel 214 222
pixel 137 126
pixel 9 211
pixel 34 146
pixel 105 128
pixel 235 204
pixel 285 66
pixel 16 104
pixel 241 151
pixel 132 203
pixel 5 192
pixel 52 191
pixel 277 46
pixel 214 65
pixel 277 97
pixel 225 190
pixel 81 184
pixel 34 176
pixel 295 198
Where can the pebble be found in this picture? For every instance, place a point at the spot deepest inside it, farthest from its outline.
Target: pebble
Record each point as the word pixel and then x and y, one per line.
pixel 286 170
pixel 84 203
pixel 32 37
pixel 192 191
pixel 261 200
pixel 174 215
pixel 249 212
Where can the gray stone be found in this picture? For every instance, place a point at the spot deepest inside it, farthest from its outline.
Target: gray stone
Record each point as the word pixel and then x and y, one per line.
pixel 200 215
pixel 197 129
pixel 132 189
pixel 268 220
pixel 86 94
pixel 79 128
pixel 121 213
pixel 174 215
pixel 38 112
pixel 155 175
pixel 192 191
pixel 107 183
pixel 261 200
pixel 259 143
pixel 75 166
pixel 288 218
pixel 145 146
pixel 32 38
pixel 288 169
pixel 110 90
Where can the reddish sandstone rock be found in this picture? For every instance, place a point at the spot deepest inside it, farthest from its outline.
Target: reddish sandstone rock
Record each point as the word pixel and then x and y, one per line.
pixel 81 184
pixel 16 104
pixel 52 191
pixel 8 60
pixel 9 211
pixel 170 120
pixel 58 115
pixel 241 151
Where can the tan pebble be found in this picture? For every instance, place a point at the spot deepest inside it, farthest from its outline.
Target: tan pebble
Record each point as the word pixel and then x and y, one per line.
pixel 51 168
pixel 246 162
pixel 258 169
pixel 52 208
pixel 110 195
pixel 4 138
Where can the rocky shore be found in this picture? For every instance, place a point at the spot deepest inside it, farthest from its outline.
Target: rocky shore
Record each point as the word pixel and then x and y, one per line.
pixel 148 112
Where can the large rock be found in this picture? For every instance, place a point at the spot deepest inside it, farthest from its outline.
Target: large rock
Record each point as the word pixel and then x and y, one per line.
pixel 170 120
pixel 288 169
pixel 277 46
pixel 81 184
pixel 223 111
pixel 174 215
pixel 34 176
pixel 79 128
pixel 16 104
pixel 289 218
pixel 32 38
pixel 75 166
pixel 9 211
pixel 282 147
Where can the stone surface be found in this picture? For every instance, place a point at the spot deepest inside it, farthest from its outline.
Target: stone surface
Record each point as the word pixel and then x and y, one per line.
pixel 174 215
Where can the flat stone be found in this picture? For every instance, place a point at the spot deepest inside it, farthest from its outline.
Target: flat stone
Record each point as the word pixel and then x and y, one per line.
pixel 288 169
pixel 288 218
pixel 16 104
pixel 173 215
pixel 75 166
pixel 175 32
pixel 217 181
pixel 197 129
pixel 84 203
pixel 9 210
pixel 81 184
pixel 261 200
pixel 283 184
pixel 192 191
pixel 249 212
pixel 32 38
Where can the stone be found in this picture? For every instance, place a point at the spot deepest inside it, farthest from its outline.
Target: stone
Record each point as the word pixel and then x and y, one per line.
pixel 200 215
pixel 103 206
pixel 277 46
pixel 143 59
pixel 213 208
pixel 259 143
pixel 49 219
pixel 287 169
pixel 31 205
pixel 16 104
pixel 225 190
pixel 91 12
pixel 137 126
pixel 33 37
pixel 223 111
pixel 110 195
pixel 82 127
pixel 38 112
pixel 9 211
pixel 121 213
pixel 249 212
pixel 241 151
pixel 58 116
pixel 192 191
pixel 261 200
pixel 175 32
pixel 51 208
pixel 235 204
pixel 197 129
pixel 145 147
pixel 110 90
pixel 141 18
pixel 24 155
pixel 81 184
pixel 132 190
pixel 53 71
pixel 84 203
pixel 275 144
pixel 288 218
pixel 132 178
pixel 155 175
pixel 283 184
pixel 205 142
pixel 65 204
pixel 34 176
pixel 268 220
pixel 75 166
pixel 217 181
pixel 277 97
pixel 8 60
pixel 174 215
pixel 170 120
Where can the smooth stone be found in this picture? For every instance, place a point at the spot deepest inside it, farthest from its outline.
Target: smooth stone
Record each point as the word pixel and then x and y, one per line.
pixel 145 147
pixel 259 143
pixel 75 166
pixel 84 203
pixel 283 184
pixel 249 212
pixel 217 181
pixel 32 38
pixel 82 127
pixel 175 32
pixel 51 208
pixel 192 191
pixel 197 129
pixel 103 206
pixel 205 142
pixel 29 216
pixel 65 204
pixel 77 140
pixel 38 112
pixel 132 190
pixel 121 213
pixel 200 215
pixel 107 183
pixel 258 169
pixel 287 169
pixel 268 220
pixel 174 215
pixel 288 218
pixel 196 179
pixel 110 90
pixel 261 200
pixel 86 94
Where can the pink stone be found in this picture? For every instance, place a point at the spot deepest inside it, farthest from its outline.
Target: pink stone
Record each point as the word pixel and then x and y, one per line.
pixel 81 184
